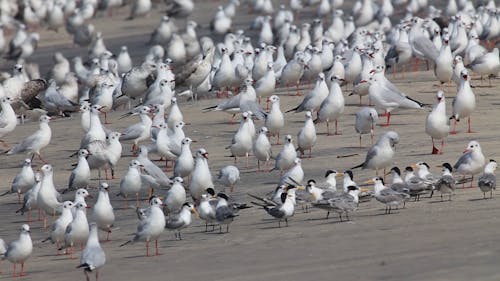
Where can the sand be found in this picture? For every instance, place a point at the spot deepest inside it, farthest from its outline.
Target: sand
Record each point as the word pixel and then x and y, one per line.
pixel 429 240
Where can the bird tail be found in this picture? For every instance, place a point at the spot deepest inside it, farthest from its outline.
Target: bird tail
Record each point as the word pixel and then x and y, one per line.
pixel 128 242
pixel 258 204
pixel 5 193
pixel 421 104
pixel 293 109
pixel 210 108
pixel 358 166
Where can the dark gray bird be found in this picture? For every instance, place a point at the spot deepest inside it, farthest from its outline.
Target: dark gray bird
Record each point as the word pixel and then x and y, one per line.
pixel 226 211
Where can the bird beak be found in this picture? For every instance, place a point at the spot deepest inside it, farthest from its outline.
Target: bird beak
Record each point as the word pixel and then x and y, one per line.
pixel 369 182
pixel 340 175
pixel 439 166
pixel 388 173
pixel 372 71
pixel 194 211
pixel 414 166
pixel 205 155
pixel 301 187
pixel 364 190
pixel 101 109
pixel 161 198
pixel 362 81
pixel 466 151
pixel 90 196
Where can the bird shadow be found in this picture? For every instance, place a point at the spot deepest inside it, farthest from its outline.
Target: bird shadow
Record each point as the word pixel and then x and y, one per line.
pixel 479 199
pixel 439 201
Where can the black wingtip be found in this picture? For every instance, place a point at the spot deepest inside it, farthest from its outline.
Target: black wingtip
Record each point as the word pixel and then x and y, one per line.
pixel 358 166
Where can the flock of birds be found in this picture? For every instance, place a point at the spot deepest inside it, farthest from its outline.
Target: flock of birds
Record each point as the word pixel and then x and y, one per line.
pixel 327 48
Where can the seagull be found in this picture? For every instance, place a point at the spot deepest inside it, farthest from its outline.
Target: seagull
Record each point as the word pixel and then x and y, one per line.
pixel 176 196
pixel 243 102
pixel 105 154
pixel 443 67
pixel 93 256
pixel 8 119
pixel 102 212
pixel 312 101
pixel 175 115
pixel 136 81
pixel 77 231
pixel 31 197
pixel 102 95
pixel 366 119
pixel 241 144
pixel 20 250
pixel 295 174
pixel 124 61
pixel 486 65
pixel 464 102
pixel 180 220
pixel 131 183
pixel 80 176
pixel 37 141
pixel 184 164
pixel 385 97
pixel 488 181
pixel 262 148
pixel 221 23
pixel 151 173
pixel 446 183
pixel 48 198
pixel 140 8
pixel 23 181
pixel 96 131
pixel 266 85
pixel 437 125
pixel 150 226
pixel 472 160
pixel 201 179
pixel 275 121
pixel 333 106
pixel 180 8
pixel 228 176
pixel 284 159
pixel 140 131
pixel 386 195
pixel 60 225
pixel 293 70
pixel 306 138
pixel 162 34
pixel 381 153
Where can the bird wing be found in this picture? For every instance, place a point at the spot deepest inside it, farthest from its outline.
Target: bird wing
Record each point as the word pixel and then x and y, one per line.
pixel 26 144
pixel 426 47
pixel 463 160
pixel 275 212
pixel 132 132
pixel 93 257
pixel 254 107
